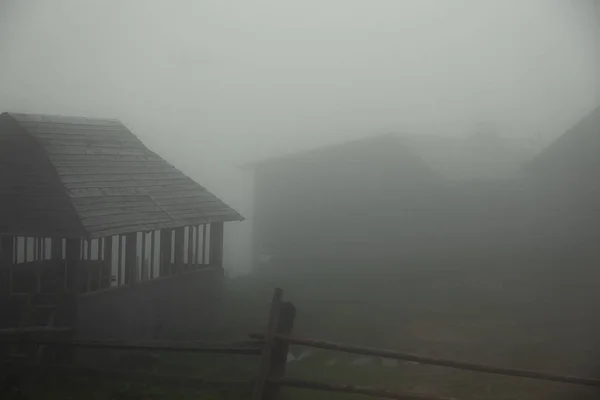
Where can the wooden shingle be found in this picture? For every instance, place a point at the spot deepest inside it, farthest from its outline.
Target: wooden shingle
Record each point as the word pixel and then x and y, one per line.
pixel 81 177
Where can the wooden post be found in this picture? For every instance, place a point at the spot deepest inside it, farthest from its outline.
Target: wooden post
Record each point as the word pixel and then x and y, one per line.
pixel 56 248
pixel 143 266
pixel 179 249
pixel 152 260
pixel 6 263
pixel 73 251
pixel 280 350
pixel 267 351
pixel 108 260
pixel 120 260
pixel 25 249
pixel 190 248
pixel 130 258
pixel 204 245
pixel 165 252
pixel 216 244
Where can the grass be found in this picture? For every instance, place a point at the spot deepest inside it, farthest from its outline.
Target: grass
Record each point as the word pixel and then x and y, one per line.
pixel 514 318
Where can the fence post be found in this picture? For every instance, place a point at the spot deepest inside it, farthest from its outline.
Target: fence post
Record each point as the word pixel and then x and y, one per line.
pixel 265 364
pixel 280 350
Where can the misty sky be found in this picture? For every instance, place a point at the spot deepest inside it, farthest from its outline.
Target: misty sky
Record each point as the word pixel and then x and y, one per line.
pixel 211 84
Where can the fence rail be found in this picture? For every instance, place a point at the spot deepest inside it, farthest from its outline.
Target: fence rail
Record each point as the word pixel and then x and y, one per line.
pixel 467 366
pixel 272 346
pixel 170 347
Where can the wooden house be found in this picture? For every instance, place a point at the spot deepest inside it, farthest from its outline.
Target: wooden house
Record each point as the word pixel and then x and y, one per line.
pixel 387 197
pixel 87 211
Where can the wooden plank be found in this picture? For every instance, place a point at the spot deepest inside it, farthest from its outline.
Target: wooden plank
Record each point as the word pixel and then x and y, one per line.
pixel 280 350
pixel 109 168
pixel 106 194
pixel 56 245
pixel 114 207
pixel 7 252
pixel 205 245
pixel 99 150
pixel 108 260
pixel 110 199
pixel 89 268
pixel 147 217
pixel 143 267
pixel 197 207
pixel 265 364
pixel 102 266
pixel 130 258
pixel 202 215
pixel 120 261
pixel 146 184
pixel 152 263
pixel 216 244
pixel 184 195
pixel 116 228
pixel 94 162
pixel 193 244
pixel 165 251
pixel 467 366
pixel 73 251
pixel 30 329
pixel 73 159
pixel 179 249
pixel 199 245
pixel 25 249
pixel 124 209
pixel 81 137
pixel 151 346
pixel 112 143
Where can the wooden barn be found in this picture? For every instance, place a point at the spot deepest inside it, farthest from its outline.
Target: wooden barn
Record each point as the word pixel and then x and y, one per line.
pixel 94 223
pixel 384 198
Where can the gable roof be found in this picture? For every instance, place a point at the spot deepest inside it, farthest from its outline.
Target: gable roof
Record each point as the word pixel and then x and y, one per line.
pixel 575 154
pixel 84 178
pixel 388 148
pixel 450 157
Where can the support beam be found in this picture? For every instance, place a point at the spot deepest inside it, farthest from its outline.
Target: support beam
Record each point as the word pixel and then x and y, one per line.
pixel 130 258
pixel 216 244
pixel 56 248
pixel 6 263
pixel 179 249
pixel 108 261
pixel 165 252
pixel 72 278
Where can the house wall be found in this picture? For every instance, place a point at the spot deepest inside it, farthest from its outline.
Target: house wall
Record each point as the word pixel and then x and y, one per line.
pixel 179 307
pixel 367 210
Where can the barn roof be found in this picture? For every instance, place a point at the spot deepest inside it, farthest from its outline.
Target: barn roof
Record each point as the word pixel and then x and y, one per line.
pixel 575 154
pixel 451 157
pixel 84 178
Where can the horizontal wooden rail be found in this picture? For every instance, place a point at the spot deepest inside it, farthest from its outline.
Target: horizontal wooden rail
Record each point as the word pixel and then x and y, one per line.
pixel 60 371
pixel 31 329
pixel 351 389
pixel 435 361
pixel 190 348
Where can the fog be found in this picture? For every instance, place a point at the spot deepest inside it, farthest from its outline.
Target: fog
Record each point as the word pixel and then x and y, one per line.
pixel 211 85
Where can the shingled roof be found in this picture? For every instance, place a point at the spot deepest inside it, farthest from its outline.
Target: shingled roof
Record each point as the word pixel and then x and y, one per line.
pixel 86 178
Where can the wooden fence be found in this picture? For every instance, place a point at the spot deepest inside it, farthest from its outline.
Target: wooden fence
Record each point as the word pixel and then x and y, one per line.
pixel 273 348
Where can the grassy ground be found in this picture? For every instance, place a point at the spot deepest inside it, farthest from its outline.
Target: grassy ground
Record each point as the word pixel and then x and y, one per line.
pixel 493 317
